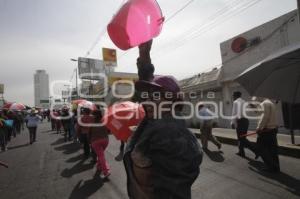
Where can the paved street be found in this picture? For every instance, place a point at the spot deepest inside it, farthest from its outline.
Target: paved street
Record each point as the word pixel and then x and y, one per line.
pixel 51 168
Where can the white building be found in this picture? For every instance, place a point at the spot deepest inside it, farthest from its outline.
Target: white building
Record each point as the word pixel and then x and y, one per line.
pixel 244 50
pixel 41 89
pixel 240 53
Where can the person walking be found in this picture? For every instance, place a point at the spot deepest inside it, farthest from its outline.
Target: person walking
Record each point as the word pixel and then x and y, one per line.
pixel 32 120
pixel 11 128
pixel 5 128
pixel 98 136
pixel 206 128
pixel 83 129
pixel 2 132
pixel 267 137
pixel 53 120
pixel 241 123
pixel 73 121
pixel 18 121
pixel 162 157
pixel 58 121
pixel 66 123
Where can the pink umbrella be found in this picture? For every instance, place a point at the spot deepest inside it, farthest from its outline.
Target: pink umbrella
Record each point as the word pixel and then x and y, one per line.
pixel 121 116
pixel 78 101
pixel 17 107
pixel 87 104
pixel 7 105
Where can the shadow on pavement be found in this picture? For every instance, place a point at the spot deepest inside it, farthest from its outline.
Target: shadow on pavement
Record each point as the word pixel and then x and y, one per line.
pixel 18 146
pixel 87 188
pixel 288 182
pixel 46 131
pixel 76 158
pixel 215 156
pixel 68 148
pixel 58 141
pixel 77 168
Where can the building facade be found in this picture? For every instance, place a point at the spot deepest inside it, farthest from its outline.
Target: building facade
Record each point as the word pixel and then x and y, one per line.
pixel 238 54
pixel 41 89
pixel 244 50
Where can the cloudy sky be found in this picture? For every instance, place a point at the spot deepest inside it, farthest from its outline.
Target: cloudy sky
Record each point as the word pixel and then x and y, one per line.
pixel 45 34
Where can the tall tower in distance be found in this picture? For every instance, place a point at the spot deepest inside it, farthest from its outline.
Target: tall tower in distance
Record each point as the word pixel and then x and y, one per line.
pixel 41 89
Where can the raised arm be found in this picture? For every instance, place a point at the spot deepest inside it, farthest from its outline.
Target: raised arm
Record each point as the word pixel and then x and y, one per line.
pixel 144 65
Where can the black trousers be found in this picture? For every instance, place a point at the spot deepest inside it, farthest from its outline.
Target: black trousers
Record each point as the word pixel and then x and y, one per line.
pixel 53 124
pixel 268 149
pixel 86 145
pixel 2 139
pixel 241 129
pixel 67 132
pixel 32 134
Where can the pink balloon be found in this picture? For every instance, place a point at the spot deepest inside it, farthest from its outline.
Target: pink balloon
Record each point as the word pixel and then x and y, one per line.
pixel 136 22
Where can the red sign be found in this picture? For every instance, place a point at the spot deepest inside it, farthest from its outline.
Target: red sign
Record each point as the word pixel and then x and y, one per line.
pixel 239 44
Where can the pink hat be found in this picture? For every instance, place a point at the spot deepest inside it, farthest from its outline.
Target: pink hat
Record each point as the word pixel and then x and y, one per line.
pixel 159 83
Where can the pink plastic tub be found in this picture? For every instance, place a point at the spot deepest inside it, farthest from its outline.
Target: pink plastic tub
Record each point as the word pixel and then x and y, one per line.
pixel 136 22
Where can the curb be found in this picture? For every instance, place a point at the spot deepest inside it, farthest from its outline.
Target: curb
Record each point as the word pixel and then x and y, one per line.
pixel 282 150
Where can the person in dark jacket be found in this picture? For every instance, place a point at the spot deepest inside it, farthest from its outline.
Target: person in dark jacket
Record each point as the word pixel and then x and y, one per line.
pixel 83 128
pixel 162 157
pixel 66 123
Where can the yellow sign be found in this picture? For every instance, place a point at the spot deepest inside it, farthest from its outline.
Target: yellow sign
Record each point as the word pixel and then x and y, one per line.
pixel 109 56
pixel 1 88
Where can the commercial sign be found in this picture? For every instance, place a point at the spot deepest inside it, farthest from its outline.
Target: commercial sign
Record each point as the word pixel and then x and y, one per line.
pixel 90 68
pixel 1 88
pixel 109 57
pixel 116 76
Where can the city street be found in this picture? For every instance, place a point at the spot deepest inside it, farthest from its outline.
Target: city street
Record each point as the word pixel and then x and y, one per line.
pixel 51 168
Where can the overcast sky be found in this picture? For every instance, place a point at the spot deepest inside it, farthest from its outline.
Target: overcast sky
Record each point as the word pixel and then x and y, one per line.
pixel 45 34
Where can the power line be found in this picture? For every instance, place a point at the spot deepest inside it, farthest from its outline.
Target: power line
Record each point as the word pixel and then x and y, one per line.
pixel 242 9
pixel 174 42
pixel 178 11
pixel 100 35
pixel 168 19
pixel 103 31
pixel 227 9
pixel 209 26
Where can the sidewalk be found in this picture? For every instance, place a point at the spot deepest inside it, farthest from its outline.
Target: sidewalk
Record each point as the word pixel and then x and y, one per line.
pixel 228 136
